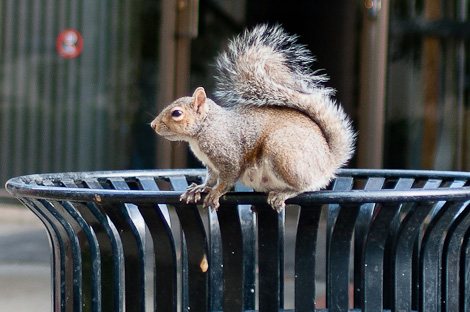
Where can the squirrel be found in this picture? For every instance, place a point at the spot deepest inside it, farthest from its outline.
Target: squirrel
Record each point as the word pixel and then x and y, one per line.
pixel 277 128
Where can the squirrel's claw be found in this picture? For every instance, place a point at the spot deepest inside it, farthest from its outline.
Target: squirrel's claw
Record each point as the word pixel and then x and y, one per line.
pixel 211 201
pixel 277 200
pixel 193 193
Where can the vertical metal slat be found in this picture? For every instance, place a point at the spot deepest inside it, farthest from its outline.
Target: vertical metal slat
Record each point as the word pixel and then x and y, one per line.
pixel 233 258
pixel 360 234
pixel 334 286
pixel 373 278
pixel 165 271
pixel 305 256
pixel 270 258
pixel 431 257
pixel 132 230
pixel 197 253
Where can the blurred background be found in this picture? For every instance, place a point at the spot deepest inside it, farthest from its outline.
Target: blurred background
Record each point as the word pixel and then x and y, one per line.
pixel 80 81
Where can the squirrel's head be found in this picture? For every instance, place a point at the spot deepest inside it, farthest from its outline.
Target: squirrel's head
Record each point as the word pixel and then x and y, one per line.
pixel 181 120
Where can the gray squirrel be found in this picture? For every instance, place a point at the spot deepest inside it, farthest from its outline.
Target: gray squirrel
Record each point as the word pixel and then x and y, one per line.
pixel 276 128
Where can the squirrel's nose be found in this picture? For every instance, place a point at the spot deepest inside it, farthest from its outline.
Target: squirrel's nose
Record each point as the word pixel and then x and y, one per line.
pixel 153 124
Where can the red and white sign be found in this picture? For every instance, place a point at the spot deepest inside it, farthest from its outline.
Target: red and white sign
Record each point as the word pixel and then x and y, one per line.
pixel 69 43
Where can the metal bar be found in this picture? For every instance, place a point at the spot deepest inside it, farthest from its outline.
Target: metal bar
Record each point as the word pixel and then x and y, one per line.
pixel 402 261
pixel 149 184
pixel 86 283
pixel 453 248
pixel 198 174
pixel 90 252
pixel 197 253
pixel 247 222
pixel 360 235
pixel 402 250
pixel 464 285
pixel 112 258
pixel 373 268
pixel 389 254
pixel 216 284
pixel 197 257
pixel 158 222
pixel 58 254
pixel 165 270
pixel 373 257
pixel 338 258
pixel 179 183
pixel 113 272
pixel 305 256
pixel 431 256
pixel 172 197
pixel 71 260
pixel 270 258
pixel 111 251
pixel 233 258
pixel 131 227
pixel 447 232
pixel 340 184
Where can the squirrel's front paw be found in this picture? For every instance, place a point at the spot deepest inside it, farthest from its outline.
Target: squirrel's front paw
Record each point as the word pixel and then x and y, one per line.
pixel 193 193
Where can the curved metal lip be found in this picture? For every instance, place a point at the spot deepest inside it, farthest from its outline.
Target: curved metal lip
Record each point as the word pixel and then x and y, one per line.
pixel 24 187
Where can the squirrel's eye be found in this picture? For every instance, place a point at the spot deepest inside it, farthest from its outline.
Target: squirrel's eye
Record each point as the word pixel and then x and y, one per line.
pixel 176 113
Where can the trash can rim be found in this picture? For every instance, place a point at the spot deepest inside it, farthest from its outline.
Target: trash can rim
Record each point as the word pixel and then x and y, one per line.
pixel 26 187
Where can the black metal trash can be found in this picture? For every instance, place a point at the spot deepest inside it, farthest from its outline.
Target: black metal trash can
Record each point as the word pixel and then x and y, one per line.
pixel 406 234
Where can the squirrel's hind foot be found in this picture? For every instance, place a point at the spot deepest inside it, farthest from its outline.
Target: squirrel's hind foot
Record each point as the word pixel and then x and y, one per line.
pixel 211 201
pixel 277 199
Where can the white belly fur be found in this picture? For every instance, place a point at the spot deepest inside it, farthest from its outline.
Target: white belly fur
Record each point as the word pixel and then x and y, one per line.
pixel 261 178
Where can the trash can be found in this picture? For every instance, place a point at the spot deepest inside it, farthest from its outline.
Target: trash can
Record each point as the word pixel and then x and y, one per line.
pixel 395 240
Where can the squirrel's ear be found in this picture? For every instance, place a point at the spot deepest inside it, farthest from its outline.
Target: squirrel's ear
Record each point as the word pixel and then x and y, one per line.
pixel 200 97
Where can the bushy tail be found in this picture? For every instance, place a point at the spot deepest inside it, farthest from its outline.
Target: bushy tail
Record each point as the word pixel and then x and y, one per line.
pixel 266 66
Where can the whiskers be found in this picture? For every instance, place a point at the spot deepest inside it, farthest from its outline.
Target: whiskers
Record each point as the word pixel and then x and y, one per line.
pixel 150 115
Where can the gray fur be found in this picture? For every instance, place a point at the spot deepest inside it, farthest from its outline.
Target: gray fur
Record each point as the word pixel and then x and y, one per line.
pixel 249 83
pixel 277 128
